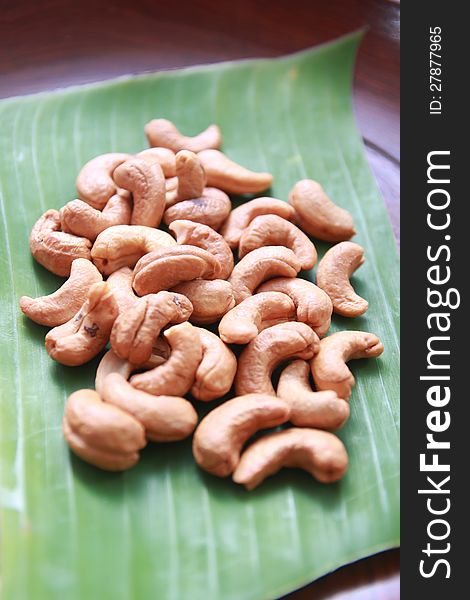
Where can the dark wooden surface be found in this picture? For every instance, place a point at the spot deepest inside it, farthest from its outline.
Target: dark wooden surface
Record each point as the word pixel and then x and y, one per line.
pixel 45 44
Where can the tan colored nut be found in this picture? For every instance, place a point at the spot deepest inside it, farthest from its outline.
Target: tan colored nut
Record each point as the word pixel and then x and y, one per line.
pixel 190 174
pixel 318 215
pixel 120 283
pixel 54 249
pixel 164 268
pixel 210 299
pixel 269 349
pixel 320 410
pixel 95 184
pixel 59 307
pixel 123 245
pixel 165 418
pixel 161 132
pixel 176 375
pixel 203 236
pixel 244 322
pixel 101 434
pixel 135 331
pixel 216 371
pixel 80 339
pixel 211 209
pixel 162 156
pixel 313 306
pixel 220 436
pixel 320 453
pixel 146 182
pixel 231 177
pixel 333 273
pixel 271 230
pixel 329 368
pixel 260 265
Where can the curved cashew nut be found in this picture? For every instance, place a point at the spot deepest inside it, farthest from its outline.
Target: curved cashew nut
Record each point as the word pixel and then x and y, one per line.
pixel 320 453
pixel 231 177
pixel 320 410
pixel 146 182
pixel 203 236
pixel 161 132
pixel 123 245
pixel 333 273
pixel 260 265
pixel 190 174
pixel 211 299
pixel 120 283
pixel 216 371
pixel 241 217
pixel 312 304
pixel 162 156
pixel 80 339
pixel 211 209
pixel 164 268
pixel 270 348
pixel 318 215
pixel 244 322
pixel 329 369
pixel 59 307
pixel 165 418
pixel 176 375
pixel 54 249
pixel 134 331
pixel 220 436
pixel 101 434
pixel 95 184
pixel 271 230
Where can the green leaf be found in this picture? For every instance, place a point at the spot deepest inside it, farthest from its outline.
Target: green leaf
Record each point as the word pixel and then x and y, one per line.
pixel 164 529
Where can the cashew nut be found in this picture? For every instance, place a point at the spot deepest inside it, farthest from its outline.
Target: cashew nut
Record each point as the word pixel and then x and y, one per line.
pixel 59 307
pixel 82 337
pixel 176 375
pixel 171 188
pixel 95 184
pixel 146 182
pixel 270 348
pixel 321 410
pixel 244 322
pixel 54 249
pixel 320 453
pixel 216 371
pixel 220 436
pixel 210 299
pixel 123 245
pixel 231 177
pixel 190 174
pixel 333 273
pixel 165 418
pixel 271 230
pixel 101 434
pixel 260 265
pixel 211 209
pixel 163 156
pixel 203 236
pixel 120 283
pixel 164 268
pixel 329 369
pixel 161 132
pixel 318 215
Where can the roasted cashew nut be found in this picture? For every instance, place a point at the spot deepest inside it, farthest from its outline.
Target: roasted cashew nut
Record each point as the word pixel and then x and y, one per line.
pixel 80 339
pixel 59 307
pixel 191 176
pixel 318 215
pixel 269 349
pixel 211 209
pixel 220 436
pixel 333 273
pixel 244 322
pixel 211 299
pixel 95 184
pixel 260 265
pixel 162 156
pixel 329 369
pixel 101 434
pixel 120 283
pixel 231 177
pixel 320 410
pixel 320 453
pixel 161 132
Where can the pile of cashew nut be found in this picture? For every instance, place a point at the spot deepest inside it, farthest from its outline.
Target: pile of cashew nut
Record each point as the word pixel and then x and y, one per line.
pixel 142 294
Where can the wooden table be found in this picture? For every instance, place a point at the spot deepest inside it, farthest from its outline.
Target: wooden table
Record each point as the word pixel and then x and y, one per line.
pixel 45 44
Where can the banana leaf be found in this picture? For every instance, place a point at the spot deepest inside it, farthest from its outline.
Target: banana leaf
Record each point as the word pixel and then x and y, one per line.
pixel 165 529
